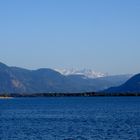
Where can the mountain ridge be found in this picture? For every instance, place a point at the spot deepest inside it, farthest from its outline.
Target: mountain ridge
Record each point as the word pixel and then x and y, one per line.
pixel 130 86
pixel 20 80
pixel 89 73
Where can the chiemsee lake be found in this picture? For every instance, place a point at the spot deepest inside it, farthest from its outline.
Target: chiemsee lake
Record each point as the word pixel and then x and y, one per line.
pixel 70 118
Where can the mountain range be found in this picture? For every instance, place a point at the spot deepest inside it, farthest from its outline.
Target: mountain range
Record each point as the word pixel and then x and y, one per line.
pixel 20 80
pixel 86 72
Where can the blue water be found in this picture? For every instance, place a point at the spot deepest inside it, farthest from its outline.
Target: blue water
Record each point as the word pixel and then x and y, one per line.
pixel 73 118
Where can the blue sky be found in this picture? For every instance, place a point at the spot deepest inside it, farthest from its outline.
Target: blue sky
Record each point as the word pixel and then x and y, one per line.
pixel 103 35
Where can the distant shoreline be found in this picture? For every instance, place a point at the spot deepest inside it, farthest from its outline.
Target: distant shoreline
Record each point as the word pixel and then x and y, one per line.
pixel 1 97
pixel 88 94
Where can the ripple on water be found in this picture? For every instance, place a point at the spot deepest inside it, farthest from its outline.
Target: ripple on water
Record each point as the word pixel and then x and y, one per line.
pixel 70 119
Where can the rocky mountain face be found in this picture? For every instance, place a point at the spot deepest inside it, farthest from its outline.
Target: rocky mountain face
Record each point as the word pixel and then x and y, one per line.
pixel 19 80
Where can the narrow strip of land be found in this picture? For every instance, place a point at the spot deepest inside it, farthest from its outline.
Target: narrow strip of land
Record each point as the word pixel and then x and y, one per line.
pixel 86 94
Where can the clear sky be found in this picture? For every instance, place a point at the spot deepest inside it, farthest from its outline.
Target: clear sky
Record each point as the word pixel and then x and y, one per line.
pixel 103 35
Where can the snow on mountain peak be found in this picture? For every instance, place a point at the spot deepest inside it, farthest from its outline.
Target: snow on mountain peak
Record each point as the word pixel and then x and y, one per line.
pixel 86 72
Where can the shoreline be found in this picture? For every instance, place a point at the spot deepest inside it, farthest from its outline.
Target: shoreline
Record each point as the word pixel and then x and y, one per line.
pixel 1 97
pixel 92 94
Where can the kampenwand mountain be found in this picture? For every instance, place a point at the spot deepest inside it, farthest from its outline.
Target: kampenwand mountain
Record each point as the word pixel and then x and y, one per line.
pixel 131 86
pixel 19 80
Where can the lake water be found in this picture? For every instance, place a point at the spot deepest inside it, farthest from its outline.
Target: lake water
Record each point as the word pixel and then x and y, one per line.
pixel 73 118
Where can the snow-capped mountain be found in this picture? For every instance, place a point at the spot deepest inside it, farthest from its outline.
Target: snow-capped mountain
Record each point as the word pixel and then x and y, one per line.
pixel 86 72
pixel 45 80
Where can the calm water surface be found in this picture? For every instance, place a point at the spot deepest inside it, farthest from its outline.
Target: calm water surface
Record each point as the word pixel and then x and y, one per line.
pixel 73 118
